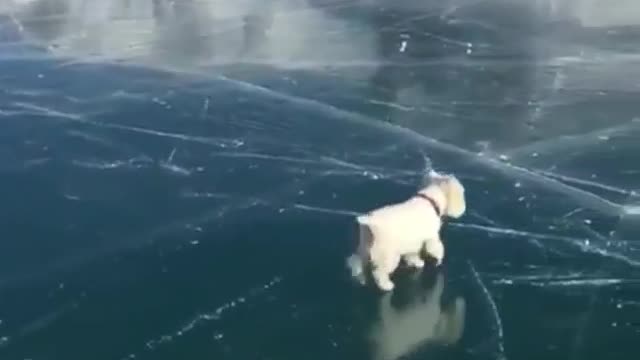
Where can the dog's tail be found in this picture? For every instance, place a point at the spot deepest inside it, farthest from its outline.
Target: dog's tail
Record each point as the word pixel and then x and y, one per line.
pixel 364 225
pixel 363 220
pixel 356 262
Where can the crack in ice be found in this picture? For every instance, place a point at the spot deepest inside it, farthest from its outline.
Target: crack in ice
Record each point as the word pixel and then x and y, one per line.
pixel 494 312
pixel 79 118
pixel 545 281
pixel 566 142
pixel 581 197
pixel 582 243
pixel 587 183
pixel 202 318
pixel 326 210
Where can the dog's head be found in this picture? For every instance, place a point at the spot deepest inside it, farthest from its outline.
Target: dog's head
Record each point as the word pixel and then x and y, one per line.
pixel 452 190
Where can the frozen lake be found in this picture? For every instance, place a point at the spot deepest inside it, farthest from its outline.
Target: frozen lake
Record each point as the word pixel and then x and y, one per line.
pixel 179 178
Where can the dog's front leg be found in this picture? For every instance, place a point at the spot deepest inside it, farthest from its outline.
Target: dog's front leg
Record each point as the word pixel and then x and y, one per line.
pixel 383 280
pixel 435 249
pixel 382 271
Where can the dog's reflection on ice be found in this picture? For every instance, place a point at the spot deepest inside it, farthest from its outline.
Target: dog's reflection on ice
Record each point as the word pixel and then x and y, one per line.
pixel 422 320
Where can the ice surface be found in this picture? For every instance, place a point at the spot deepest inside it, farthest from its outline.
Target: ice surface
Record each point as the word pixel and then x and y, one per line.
pixel 179 178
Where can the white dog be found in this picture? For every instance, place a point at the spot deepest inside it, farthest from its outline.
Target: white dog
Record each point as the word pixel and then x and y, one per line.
pixel 406 230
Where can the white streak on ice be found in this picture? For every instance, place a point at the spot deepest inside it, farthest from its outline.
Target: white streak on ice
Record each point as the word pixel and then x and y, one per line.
pixel 532 237
pixel 494 311
pixel 325 210
pixel 570 282
pixel 79 118
pixel 578 242
pixel 587 183
pixel 567 142
pixel 581 197
pixel 202 318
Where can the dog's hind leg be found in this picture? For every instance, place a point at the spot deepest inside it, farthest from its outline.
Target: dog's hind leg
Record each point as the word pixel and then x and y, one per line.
pixel 383 270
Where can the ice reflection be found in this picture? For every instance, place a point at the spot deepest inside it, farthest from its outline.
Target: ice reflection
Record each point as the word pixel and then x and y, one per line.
pixel 190 33
pixel 419 321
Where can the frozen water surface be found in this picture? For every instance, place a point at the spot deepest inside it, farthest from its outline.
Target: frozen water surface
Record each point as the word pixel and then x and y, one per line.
pixel 179 178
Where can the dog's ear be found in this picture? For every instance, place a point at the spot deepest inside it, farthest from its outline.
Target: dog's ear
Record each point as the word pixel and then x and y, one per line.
pixel 456 203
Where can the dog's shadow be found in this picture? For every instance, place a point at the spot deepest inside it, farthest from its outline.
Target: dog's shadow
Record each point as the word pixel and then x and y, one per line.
pixel 416 319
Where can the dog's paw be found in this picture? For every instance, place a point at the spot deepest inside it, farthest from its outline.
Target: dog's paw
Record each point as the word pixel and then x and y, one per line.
pixel 383 281
pixel 386 285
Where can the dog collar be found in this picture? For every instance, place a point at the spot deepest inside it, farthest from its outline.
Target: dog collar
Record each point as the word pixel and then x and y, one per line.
pixel 433 203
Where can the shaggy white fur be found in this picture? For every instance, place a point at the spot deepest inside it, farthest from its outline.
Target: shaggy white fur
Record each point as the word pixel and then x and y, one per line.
pixel 406 230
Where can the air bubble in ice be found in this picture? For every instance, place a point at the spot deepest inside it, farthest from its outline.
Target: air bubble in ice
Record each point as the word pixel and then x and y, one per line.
pixel 403 46
pixel 237 143
pixel 371 175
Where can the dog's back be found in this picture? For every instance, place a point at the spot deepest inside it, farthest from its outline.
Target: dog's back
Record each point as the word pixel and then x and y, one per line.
pixel 408 221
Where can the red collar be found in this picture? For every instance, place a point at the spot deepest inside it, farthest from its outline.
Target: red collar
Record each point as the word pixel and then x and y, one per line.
pixel 433 203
